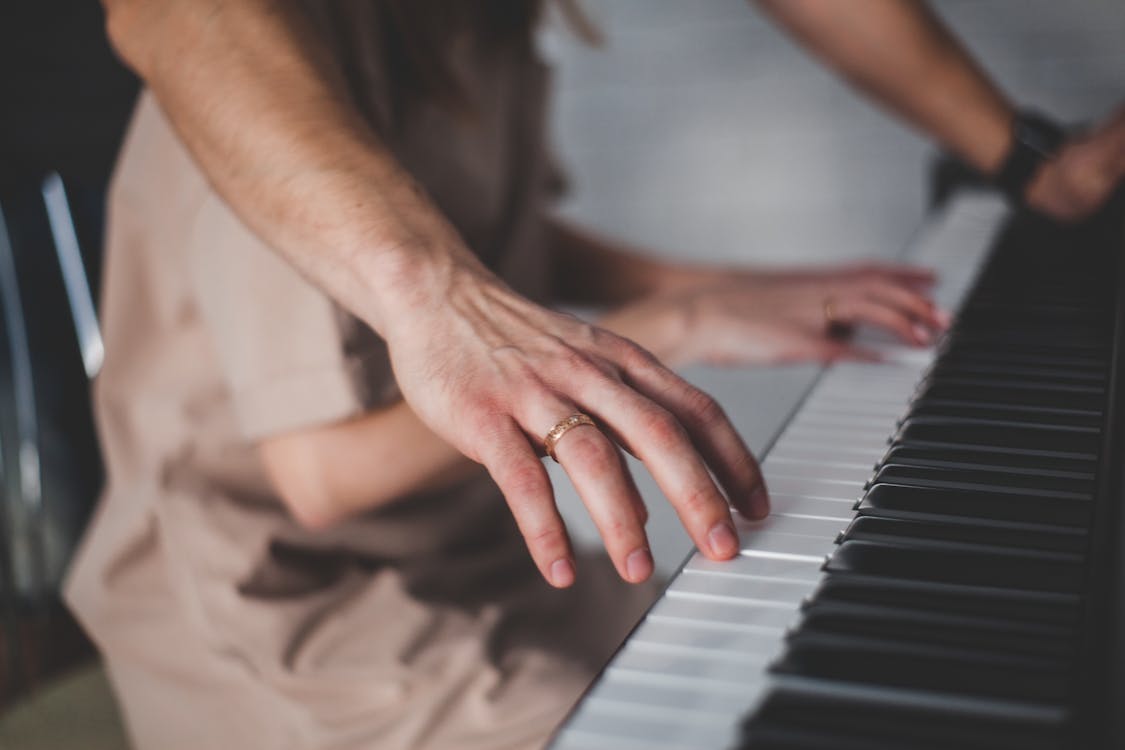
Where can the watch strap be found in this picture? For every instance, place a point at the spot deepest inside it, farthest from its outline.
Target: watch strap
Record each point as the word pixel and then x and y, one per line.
pixel 1035 139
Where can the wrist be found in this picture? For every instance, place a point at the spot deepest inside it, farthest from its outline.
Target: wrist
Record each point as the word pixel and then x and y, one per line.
pixel 676 279
pixel 1035 140
pixel 405 283
pixel 659 324
pixel 407 258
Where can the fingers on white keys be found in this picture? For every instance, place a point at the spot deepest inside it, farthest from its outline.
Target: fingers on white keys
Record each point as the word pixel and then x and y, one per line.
pixel 523 480
pixel 652 432
pixel 599 474
pixel 711 434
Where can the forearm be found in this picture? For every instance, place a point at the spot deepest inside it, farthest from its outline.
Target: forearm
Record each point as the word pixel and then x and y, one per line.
pixel 258 99
pixel 327 474
pixel 899 52
pixel 593 270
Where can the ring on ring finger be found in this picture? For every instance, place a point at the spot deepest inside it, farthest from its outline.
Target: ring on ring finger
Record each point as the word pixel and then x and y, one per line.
pixel 561 428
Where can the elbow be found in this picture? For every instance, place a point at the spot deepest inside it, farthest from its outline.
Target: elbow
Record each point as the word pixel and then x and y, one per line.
pixel 312 510
pixel 302 482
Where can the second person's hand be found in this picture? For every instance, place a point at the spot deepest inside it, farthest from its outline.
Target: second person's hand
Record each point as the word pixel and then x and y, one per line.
pixel 753 317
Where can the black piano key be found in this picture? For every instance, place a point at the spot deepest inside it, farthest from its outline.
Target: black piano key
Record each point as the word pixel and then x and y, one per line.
pixel 1063 610
pixel 794 719
pixel 941 477
pixel 926 533
pixel 925 667
pixel 994 375
pixel 968 632
pixel 1008 569
pixel 768 737
pixel 902 501
pixel 1035 356
pixel 1028 439
pixel 1014 463
pixel 1054 343
pixel 936 411
pixel 1079 398
pixel 967 373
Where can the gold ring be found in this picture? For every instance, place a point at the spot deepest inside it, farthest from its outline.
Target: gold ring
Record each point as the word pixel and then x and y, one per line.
pixel 561 429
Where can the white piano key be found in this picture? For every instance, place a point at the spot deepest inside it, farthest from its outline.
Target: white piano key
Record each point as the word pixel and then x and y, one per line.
pixel 623 687
pixel 627 727
pixel 775 545
pixel 581 739
pixel 815 507
pixel 705 662
pixel 776 568
pixel 660 730
pixel 658 633
pixel 869 419
pixel 843 449
pixel 854 476
pixel 726 612
pixel 859 390
pixel 845 439
pixel 801 458
pixel 817 528
pixel 686 666
pixel 855 402
pixel 866 422
pixel 888 404
pixel 855 426
pixel 805 487
pixel 880 376
pixel 748 589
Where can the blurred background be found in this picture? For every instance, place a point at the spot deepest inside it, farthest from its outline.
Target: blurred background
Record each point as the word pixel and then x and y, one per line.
pixel 696 130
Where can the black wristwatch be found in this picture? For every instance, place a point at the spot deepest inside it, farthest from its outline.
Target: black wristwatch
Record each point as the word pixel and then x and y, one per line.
pixel 1035 139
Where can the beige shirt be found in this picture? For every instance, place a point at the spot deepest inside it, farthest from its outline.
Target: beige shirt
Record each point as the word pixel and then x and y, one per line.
pixel 224 623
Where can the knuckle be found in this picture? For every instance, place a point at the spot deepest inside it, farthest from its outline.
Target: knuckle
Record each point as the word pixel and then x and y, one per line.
pixel 620 529
pixel 635 356
pixel 703 407
pixel 525 483
pixel 545 538
pixel 699 501
pixel 663 429
pixel 574 361
pixel 587 333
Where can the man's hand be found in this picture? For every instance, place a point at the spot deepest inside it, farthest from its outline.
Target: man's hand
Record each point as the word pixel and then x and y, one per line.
pixel 492 373
pixel 1081 178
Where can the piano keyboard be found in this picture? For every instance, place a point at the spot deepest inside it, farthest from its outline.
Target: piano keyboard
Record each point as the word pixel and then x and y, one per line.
pixel 933 603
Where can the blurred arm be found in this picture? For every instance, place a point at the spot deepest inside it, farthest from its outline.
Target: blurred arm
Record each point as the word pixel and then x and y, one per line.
pixel 594 270
pixel 327 473
pixel 900 53
pixel 262 105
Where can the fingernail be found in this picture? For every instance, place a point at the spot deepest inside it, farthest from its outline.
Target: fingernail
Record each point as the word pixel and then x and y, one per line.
pixel 723 540
pixel 760 502
pixel 944 318
pixel 562 573
pixel 922 334
pixel 638 565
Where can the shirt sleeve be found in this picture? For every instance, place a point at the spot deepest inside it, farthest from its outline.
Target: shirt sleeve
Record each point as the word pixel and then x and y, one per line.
pixel 290 357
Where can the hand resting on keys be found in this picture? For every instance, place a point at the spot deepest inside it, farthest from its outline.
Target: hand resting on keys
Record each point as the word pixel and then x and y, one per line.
pixel 756 317
pixel 326 474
